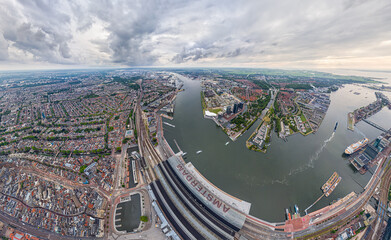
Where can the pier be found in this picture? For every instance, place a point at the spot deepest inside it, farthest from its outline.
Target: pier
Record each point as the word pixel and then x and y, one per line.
pixel 317 200
pixel 180 150
pixel 166 116
pixel 351 121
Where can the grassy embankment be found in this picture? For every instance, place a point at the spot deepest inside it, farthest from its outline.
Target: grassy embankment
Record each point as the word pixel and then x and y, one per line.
pixel 203 103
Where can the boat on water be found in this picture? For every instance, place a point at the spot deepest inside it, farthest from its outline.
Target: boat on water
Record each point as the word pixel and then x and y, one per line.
pixel 226 143
pixel 296 209
pixel 288 214
pixel 356 146
pixel 169 124
pixel 333 187
pixel 331 184
pixel 199 151
pixel 336 125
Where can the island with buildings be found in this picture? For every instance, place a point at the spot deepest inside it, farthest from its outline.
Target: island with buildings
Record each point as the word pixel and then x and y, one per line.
pixel 281 102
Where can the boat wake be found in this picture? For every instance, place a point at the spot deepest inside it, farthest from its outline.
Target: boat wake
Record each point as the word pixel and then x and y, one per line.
pixel 315 157
pixel 255 182
pixel 359 132
pixel 283 181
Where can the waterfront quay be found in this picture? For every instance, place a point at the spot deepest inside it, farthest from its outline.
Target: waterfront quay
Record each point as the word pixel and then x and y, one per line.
pixel 367 157
pixel 175 198
pixel 181 200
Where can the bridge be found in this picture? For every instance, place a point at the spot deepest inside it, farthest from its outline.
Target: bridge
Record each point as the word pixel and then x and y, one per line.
pixel 375 125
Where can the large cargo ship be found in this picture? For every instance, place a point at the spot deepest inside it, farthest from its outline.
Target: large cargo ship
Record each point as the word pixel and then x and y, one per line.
pixel 356 146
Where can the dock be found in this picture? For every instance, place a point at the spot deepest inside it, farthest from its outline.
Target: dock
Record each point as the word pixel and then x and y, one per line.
pixel 179 149
pixel 166 116
pixel 317 200
pixel 365 112
pixel 368 156
pixel 351 121
pixel 331 184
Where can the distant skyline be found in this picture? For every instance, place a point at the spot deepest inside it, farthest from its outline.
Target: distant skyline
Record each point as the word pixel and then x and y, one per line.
pixel 304 34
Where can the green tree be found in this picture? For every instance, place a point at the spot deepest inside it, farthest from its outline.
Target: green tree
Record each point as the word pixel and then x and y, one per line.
pixel 82 168
pixel 144 219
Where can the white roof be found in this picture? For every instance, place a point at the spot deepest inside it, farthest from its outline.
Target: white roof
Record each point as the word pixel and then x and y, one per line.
pixel 239 204
pixel 210 114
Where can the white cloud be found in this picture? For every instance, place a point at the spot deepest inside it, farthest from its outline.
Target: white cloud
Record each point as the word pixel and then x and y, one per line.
pixel 253 33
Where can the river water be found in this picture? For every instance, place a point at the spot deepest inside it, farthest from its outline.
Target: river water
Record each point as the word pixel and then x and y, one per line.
pixel 290 172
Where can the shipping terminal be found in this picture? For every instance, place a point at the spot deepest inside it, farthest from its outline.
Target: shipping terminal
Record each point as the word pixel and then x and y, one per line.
pixel 371 153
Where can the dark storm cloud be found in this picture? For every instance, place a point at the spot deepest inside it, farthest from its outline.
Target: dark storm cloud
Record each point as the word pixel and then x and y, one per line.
pixel 131 25
pixel 160 32
pixel 196 53
pixel 40 42
pixel 231 54
pixel 36 28
pixel 192 54
pixel 128 30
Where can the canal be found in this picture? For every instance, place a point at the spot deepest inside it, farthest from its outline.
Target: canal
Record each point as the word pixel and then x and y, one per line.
pixel 290 172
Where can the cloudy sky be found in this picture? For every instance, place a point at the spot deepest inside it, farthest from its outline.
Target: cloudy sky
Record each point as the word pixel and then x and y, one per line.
pixel 214 33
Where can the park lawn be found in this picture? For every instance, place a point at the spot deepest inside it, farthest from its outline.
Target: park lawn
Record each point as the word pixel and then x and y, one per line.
pixel 216 110
pixel 303 119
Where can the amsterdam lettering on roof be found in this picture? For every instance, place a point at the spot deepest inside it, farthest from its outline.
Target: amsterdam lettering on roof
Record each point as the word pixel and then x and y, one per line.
pixel 202 190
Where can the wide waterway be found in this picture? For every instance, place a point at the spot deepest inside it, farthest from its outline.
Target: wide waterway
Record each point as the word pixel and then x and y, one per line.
pixel 290 172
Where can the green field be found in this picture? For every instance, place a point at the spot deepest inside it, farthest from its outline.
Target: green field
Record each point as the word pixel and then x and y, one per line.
pixel 294 73
pixel 216 110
